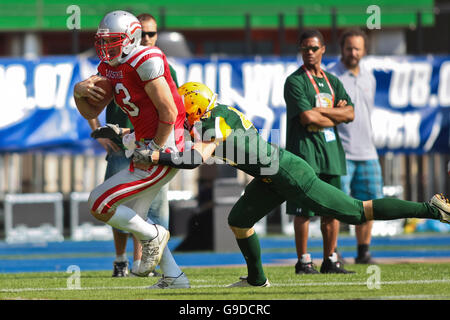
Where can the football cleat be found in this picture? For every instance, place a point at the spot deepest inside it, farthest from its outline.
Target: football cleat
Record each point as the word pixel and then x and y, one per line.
pixel 244 283
pixel 152 251
pixel 120 269
pixel 440 202
pixel 154 274
pixel 180 282
pixel 135 269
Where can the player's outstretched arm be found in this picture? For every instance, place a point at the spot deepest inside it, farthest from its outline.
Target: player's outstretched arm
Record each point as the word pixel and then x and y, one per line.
pixel 200 152
pixel 191 159
pixel 87 89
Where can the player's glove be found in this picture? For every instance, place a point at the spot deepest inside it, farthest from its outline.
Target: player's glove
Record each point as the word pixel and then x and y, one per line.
pixel 142 156
pixel 110 131
pixel 143 153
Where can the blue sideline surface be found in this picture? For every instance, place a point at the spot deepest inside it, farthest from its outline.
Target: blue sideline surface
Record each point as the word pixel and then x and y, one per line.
pixel 99 255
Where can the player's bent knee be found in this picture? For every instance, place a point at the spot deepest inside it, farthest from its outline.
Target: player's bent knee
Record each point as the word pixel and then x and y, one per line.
pixel 242 233
pixel 238 220
pixel 95 209
pixel 104 217
pixel 96 215
pixel 368 210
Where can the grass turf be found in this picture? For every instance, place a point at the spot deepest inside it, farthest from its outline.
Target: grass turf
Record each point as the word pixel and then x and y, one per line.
pixel 424 281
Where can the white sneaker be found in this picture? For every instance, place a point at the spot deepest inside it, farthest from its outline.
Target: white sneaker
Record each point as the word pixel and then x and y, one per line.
pixel 152 251
pixel 154 274
pixel 135 268
pixel 243 283
pixel 180 282
pixel 440 202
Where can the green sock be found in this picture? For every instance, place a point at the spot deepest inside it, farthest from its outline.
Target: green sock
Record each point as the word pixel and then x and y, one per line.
pixel 252 253
pixel 390 209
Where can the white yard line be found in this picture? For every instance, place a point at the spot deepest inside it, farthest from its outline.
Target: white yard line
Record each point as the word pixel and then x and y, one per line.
pixel 70 289
pixel 291 284
pixel 361 283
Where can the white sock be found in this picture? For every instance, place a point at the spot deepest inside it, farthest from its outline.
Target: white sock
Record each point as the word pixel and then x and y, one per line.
pixel 135 266
pixel 168 265
pixel 333 257
pixel 121 258
pixel 306 258
pixel 126 219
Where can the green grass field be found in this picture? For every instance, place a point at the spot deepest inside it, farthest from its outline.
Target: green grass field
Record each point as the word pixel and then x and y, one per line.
pixel 418 281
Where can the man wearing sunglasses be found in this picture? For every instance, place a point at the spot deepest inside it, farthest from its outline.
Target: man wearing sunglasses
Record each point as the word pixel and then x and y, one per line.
pixel 117 161
pixel 316 102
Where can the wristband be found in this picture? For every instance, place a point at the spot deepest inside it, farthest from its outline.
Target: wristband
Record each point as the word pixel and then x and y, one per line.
pixel 181 160
pixel 166 122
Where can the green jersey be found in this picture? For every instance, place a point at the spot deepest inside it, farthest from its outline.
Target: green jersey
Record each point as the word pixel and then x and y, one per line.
pixel 239 143
pixel 174 75
pixel 322 149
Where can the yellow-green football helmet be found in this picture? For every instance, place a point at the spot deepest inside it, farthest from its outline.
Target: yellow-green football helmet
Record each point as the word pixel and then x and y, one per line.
pixel 197 99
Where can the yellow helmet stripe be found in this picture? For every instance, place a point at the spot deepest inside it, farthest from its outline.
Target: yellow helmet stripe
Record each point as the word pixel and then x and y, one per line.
pixel 223 130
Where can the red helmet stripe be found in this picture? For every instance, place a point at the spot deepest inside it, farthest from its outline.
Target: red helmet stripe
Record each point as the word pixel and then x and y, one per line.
pixel 134 30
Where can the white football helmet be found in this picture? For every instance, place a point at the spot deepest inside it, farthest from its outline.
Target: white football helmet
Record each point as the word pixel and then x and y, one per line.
pixel 118 34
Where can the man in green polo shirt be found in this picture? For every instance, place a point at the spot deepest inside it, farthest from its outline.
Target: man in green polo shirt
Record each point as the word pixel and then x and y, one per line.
pixel 316 102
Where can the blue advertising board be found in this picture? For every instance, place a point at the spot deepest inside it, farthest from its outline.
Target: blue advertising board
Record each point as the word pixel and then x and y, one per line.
pixel 411 114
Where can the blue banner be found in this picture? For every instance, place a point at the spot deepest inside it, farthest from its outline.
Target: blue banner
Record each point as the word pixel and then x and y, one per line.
pixel 411 113
pixel 37 109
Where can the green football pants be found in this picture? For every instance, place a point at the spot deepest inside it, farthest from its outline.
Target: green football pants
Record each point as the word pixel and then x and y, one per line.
pixel 296 182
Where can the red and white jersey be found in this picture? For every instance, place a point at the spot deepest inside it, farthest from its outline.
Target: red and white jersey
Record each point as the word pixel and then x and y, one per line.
pixel 144 64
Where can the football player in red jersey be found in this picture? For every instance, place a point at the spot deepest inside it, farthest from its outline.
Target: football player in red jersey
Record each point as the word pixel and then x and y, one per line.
pixel 145 91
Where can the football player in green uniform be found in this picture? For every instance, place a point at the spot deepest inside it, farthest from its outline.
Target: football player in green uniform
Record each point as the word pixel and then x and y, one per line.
pixel 221 131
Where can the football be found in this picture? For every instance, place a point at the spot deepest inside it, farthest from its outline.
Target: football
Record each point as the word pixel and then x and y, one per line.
pixel 106 85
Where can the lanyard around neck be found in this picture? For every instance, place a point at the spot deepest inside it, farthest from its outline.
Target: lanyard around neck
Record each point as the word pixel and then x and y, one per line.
pixel 316 87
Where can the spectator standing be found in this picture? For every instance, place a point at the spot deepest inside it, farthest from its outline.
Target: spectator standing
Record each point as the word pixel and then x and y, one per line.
pixel 316 102
pixel 364 178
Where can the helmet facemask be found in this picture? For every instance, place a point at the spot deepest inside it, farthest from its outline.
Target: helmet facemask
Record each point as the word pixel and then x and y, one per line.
pixel 109 46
